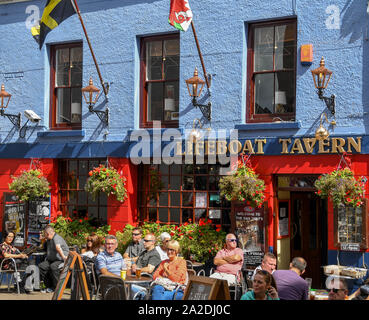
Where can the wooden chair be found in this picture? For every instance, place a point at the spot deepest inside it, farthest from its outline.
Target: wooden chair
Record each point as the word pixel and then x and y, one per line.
pixel 112 288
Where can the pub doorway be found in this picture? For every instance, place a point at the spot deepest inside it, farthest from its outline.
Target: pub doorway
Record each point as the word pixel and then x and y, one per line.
pixel 309 234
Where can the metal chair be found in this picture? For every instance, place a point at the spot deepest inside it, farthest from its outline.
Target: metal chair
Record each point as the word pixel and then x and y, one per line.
pixel 112 288
pixel 13 270
pixel 148 289
pixel 91 278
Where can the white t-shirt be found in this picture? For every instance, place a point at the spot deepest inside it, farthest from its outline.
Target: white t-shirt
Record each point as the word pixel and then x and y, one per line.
pixel 162 253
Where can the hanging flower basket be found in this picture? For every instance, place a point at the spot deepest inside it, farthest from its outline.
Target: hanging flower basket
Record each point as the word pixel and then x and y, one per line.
pixel 30 185
pixel 243 186
pixel 106 180
pixel 155 183
pixel 342 187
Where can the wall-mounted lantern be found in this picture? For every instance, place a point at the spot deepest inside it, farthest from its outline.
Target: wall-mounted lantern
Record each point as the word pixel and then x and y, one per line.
pixel 321 76
pixel 195 86
pixel 4 102
pixel 91 95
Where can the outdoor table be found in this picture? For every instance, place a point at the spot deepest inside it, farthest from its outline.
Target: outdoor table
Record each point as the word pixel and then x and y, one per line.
pixel 38 256
pixel 143 281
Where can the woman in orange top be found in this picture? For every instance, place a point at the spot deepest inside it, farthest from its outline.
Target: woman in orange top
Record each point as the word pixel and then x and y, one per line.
pixel 169 274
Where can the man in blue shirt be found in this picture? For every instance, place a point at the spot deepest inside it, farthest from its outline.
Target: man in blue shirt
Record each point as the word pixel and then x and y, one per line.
pixel 109 262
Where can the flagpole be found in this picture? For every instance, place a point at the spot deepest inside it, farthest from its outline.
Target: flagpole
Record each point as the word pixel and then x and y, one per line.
pixel 200 54
pixel 89 44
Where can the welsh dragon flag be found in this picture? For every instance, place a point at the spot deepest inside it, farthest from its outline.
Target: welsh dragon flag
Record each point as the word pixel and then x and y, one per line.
pixel 180 15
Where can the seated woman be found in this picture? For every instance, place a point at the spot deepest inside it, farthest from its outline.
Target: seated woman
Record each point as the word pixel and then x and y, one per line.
pixel 9 251
pixel 93 247
pixel 263 287
pixel 169 274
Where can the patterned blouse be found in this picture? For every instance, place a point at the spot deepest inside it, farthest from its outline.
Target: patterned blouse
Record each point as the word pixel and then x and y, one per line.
pixel 7 248
pixel 177 269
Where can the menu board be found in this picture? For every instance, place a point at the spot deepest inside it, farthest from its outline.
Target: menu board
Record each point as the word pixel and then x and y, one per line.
pixel 250 230
pixel 14 214
pixel 350 224
pixel 38 217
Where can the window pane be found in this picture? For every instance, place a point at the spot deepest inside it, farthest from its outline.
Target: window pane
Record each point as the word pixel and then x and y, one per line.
pixel 82 197
pixel 263 48
pixel 171 59
pixel 171 100
pixel 76 105
pixel 76 66
pixel 83 169
pixel 175 199
pixel 154 59
pixel 187 183
pixel 163 199
pixel 152 214
pixel 264 93
pixel 187 199
pixel 93 213
pixel 155 101
pixel 285 92
pixel 175 215
pixel 62 67
pixel 175 182
pixel 103 215
pixel 63 105
pixel 285 47
pixel 187 214
pixel 92 165
pixel 163 214
pixel 201 183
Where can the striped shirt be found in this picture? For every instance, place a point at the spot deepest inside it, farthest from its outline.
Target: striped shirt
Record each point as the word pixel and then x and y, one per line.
pixel 113 263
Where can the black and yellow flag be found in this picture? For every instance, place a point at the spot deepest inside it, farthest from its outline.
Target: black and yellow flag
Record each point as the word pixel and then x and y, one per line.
pixel 55 12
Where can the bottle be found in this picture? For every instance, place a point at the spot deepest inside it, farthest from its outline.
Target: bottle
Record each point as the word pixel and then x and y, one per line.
pixel 42 286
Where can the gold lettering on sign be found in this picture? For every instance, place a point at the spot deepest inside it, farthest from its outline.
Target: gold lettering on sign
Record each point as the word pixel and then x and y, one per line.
pixel 322 144
pixel 284 144
pixel 260 145
pixel 309 144
pixel 337 145
pixel 221 147
pixel 297 146
pixel 210 148
pixel 247 147
pixel 179 149
pixel 356 145
pixel 199 146
pixel 231 147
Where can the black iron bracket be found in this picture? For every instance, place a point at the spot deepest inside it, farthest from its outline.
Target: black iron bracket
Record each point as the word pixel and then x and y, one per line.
pixel 103 115
pixel 15 119
pixel 330 102
pixel 204 108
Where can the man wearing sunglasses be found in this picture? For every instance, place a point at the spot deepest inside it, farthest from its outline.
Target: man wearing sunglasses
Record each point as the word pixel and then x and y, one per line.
pixel 229 261
pixel 136 246
pixel 337 289
pixel 147 261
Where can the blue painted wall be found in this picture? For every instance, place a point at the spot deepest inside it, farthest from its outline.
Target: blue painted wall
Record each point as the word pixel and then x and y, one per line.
pixel 115 27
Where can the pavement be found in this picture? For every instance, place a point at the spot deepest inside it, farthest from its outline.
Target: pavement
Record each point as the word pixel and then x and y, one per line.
pixel 35 295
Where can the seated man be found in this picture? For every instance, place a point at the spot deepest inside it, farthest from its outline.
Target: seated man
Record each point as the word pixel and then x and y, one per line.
pixel 109 262
pixel 147 261
pixel 229 261
pixel 337 289
pixel 269 264
pixel 290 284
pixel 135 247
pixel 57 252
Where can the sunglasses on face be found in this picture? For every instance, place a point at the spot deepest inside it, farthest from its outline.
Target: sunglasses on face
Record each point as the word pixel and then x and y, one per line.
pixel 136 234
pixel 334 290
pixel 232 240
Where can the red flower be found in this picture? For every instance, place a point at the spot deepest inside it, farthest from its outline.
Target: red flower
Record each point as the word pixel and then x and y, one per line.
pixel 90 173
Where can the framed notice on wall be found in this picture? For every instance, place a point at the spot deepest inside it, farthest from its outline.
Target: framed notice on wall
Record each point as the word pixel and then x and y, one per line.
pixel 249 224
pixel 14 218
pixel 283 219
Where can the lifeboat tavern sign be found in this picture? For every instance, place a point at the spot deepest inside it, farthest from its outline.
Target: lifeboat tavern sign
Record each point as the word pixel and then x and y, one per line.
pixel 270 146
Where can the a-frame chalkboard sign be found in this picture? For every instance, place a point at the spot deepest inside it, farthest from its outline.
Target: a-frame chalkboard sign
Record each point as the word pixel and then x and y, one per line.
pixel 73 265
pixel 205 288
